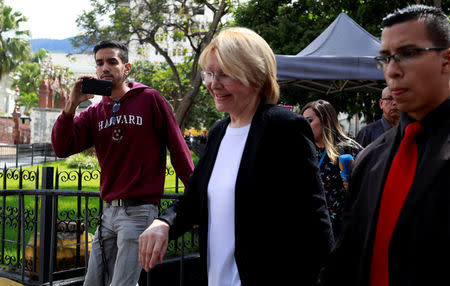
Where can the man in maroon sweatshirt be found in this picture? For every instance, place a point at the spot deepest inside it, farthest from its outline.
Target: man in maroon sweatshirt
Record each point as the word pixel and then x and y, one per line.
pixel 130 131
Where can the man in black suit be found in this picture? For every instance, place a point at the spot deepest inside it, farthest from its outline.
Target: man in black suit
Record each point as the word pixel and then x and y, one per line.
pixel 391 117
pixel 414 57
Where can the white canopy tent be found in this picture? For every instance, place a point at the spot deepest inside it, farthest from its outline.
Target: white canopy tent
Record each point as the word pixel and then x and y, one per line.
pixel 338 60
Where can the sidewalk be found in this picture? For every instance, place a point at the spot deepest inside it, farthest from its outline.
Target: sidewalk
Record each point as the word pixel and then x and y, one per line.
pixel 24 162
pixel 7 282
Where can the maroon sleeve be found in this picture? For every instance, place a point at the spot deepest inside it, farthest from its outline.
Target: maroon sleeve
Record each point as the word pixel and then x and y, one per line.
pixel 70 135
pixel 180 155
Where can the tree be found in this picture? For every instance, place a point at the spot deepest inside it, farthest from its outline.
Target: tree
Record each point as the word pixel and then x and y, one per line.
pixel 27 77
pixel 28 100
pixel 39 56
pixel 149 22
pixel 14 48
pixel 289 26
pixel 203 112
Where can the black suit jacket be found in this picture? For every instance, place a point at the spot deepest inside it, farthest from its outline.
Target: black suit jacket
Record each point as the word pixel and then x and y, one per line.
pixel 420 246
pixel 372 131
pixel 278 194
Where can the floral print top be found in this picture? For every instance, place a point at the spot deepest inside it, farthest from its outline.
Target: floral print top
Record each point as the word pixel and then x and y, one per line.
pixel 332 184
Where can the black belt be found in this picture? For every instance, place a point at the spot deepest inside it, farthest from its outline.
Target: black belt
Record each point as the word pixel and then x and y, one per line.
pixel 128 203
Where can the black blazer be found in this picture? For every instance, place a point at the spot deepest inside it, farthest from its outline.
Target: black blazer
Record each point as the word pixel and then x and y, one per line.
pixel 420 245
pixel 278 194
pixel 372 131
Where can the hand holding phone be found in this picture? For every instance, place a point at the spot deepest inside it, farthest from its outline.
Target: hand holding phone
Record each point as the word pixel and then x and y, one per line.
pixel 96 86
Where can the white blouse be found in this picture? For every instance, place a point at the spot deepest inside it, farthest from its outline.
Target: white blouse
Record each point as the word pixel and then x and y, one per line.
pixel 222 269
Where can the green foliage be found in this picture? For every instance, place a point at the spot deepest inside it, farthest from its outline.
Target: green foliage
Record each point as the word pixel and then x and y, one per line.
pixel 14 48
pixel 39 56
pixel 27 77
pixel 81 160
pixel 289 26
pixel 28 100
pixel 150 22
pixel 194 158
pixel 93 31
pixel 160 77
pixel 203 113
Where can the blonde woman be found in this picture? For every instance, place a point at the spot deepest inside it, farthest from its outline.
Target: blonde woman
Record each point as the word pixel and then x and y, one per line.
pixel 257 183
pixel 331 142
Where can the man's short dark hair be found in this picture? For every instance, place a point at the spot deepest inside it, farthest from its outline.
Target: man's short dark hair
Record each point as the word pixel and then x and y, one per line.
pixel 123 49
pixel 436 22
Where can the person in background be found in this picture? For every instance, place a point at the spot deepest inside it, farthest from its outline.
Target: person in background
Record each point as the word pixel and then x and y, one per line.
pixel 331 142
pixel 390 118
pixel 397 230
pixel 130 130
pixel 189 138
pixel 257 184
pixel 204 137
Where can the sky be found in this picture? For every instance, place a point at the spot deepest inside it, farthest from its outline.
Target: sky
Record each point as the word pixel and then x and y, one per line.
pixel 51 19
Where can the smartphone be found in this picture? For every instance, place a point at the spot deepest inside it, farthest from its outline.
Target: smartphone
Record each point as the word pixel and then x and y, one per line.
pixel 96 86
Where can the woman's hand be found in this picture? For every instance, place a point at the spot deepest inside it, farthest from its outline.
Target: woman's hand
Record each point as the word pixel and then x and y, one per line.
pixel 345 183
pixel 153 244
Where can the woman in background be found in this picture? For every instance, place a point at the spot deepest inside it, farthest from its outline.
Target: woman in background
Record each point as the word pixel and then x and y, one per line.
pixel 331 142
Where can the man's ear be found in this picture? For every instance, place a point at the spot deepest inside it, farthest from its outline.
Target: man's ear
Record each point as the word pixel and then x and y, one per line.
pixel 127 68
pixel 445 62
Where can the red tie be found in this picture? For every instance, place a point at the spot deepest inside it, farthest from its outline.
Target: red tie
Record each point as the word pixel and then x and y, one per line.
pixel 398 183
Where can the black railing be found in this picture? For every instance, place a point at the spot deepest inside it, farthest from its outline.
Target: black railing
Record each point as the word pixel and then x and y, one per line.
pixel 45 236
pixel 26 154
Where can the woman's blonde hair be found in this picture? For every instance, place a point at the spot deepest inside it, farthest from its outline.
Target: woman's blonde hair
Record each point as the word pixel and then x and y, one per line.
pixel 333 136
pixel 244 55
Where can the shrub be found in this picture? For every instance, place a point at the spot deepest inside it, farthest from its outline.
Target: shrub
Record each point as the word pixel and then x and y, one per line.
pixel 194 158
pixel 81 160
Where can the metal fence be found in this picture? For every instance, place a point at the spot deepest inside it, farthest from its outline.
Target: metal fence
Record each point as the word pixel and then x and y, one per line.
pixel 45 232
pixel 26 154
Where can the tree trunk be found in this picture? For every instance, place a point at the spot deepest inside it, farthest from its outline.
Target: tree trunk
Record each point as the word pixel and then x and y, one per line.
pixel 188 100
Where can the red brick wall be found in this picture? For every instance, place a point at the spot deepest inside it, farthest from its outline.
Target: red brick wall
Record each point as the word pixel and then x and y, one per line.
pixel 6 131
pixel 25 133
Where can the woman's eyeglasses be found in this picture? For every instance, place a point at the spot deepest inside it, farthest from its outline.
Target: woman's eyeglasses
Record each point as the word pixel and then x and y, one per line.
pixel 208 77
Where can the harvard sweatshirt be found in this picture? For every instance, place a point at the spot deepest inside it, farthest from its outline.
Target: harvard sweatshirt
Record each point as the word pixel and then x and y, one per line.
pixel 132 150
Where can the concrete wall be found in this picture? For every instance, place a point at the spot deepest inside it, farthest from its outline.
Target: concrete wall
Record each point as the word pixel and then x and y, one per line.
pixel 351 125
pixel 6 95
pixel 42 120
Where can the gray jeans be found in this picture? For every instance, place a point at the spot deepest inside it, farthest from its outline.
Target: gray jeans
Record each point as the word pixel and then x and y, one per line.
pixel 121 227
